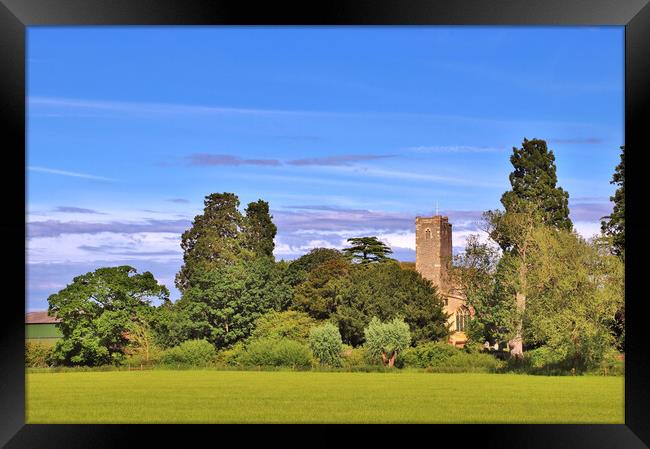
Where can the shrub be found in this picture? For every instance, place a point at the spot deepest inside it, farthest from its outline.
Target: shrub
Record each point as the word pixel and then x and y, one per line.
pixel 275 352
pixel 290 324
pixel 189 353
pixel 471 362
pixel 231 356
pixel 325 343
pixel 429 354
pixel 443 357
pixel 37 355
pixel 138 356
pixel 612 364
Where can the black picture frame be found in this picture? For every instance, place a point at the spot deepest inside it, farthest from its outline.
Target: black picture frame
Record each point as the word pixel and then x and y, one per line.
pixel 16 15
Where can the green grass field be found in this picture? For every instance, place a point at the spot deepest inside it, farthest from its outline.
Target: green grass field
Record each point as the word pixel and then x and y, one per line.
pixel 161 396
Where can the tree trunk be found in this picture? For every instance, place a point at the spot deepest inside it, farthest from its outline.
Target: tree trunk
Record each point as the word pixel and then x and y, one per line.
pixel 391 360
pixel 384 359
pixel 516 345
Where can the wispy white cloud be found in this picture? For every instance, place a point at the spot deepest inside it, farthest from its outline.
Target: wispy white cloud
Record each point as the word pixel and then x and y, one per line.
pixel 149 108
pixel 414 176
pixel 55 171
pixel 456 149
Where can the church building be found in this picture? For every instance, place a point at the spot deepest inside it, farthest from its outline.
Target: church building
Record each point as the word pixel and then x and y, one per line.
pixel 433 259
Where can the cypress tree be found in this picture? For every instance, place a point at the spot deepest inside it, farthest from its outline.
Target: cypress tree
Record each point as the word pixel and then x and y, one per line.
pixel 259 229
pixel 534 181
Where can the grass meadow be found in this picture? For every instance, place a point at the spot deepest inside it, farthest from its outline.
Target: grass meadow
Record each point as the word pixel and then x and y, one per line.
pixel 210 396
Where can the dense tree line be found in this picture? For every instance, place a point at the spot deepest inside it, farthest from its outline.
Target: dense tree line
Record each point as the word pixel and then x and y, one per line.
pixel 230 281
pixel 535 284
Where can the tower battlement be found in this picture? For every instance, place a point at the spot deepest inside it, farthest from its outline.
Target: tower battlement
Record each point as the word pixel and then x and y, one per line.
pixel 433 249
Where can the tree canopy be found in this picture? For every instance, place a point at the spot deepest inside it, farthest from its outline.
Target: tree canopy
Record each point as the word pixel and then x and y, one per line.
pixel 223 236
pixel 98 310
pixel 259 229
pixel 223 304
pixel 366 250
pixel 387 339
pixel 534 180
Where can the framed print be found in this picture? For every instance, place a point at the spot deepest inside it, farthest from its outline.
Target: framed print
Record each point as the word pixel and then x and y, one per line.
pixel 352 213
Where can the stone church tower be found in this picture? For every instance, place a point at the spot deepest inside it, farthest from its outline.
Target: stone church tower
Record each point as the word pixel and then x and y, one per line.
pixel 433 259
pixel 433 250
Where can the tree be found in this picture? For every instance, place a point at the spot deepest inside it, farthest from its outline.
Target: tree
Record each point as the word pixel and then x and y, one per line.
pixel 574 292
pixel 289 324
pixel 367 249
pixel 325 343
pixel 351 294
pixel 613 225
pixel 259 230
pixel 387 339
pixel 534 180
pixel 213 240
pixel 517 228
pixel 97 312
pixel 223 304
pixel 534 201
pixel 320 294
pixel 480 272
pixel 141 338
pixel 300 268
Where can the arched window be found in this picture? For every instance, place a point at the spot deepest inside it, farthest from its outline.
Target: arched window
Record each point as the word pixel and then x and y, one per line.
pixel 462 315
pixel 427 234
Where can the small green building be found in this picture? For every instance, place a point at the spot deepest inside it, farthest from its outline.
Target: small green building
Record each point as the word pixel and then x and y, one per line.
pixel 41 328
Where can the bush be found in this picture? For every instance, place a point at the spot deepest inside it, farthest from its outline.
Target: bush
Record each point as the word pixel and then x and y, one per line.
pixel 189 353
pixel 443 357
pixel 325 343
pixel 37 355
pixel 138 356
pixel 275 352
pixel 429 354
pixel 612 364
pixel 359 359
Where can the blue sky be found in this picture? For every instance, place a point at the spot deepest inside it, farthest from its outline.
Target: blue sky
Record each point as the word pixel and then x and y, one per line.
pixel 345 131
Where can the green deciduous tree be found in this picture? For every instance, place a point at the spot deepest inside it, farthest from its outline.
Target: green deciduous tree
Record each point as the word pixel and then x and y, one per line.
pixel 289 324
pixel 574 292
pixel 223 304
pixel 300 268
pixel 517 228
pixel 351 294
pixel 613 225
pixel 320 294
pixel 479 269
pixel 366 250
pixel 97 312
pixel 387 339
pixel 325 343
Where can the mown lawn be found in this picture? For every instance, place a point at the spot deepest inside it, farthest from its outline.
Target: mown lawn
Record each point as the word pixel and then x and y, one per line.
pixel 317 397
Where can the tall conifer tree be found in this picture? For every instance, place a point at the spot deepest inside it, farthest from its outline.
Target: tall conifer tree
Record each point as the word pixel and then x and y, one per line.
pixel 259 229
pixel 534 180
pixel 613 225
pixel 213 240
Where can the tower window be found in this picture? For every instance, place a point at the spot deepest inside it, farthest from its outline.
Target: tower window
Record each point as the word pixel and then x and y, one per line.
pixel 427 234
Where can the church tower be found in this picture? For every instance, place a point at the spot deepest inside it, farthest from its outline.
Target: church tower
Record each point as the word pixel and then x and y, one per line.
pixel 433 251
